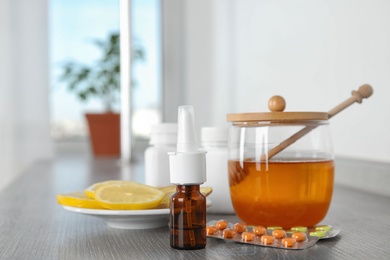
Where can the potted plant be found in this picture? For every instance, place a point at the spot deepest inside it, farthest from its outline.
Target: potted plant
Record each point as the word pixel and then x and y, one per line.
pixel 101 80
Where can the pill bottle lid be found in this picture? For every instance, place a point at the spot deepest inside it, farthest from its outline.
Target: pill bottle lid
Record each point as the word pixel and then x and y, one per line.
pixel 215 134
pixel 188 164
pixel 164 133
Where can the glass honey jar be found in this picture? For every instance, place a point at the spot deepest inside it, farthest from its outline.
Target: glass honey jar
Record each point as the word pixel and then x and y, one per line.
pixel 281 166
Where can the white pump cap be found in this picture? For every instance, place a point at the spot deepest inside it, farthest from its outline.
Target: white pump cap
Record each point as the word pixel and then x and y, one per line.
pixel 188 163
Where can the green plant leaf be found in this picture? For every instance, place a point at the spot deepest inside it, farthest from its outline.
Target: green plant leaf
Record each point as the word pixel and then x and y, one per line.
pixel 101 79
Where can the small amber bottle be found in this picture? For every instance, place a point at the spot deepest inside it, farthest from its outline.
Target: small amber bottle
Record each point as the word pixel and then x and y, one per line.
pixel 188 218
pixel 187 171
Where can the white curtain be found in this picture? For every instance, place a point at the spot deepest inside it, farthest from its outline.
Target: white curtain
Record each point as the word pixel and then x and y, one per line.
pixel 24 87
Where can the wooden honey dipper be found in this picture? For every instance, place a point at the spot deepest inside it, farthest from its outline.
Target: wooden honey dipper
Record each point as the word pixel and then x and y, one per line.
pixel 277 103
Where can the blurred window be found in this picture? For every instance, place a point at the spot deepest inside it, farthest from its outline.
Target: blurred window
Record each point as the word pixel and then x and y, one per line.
pixel 75 26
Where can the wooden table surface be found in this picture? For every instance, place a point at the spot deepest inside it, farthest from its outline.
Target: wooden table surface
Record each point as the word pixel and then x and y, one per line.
pixel 34 226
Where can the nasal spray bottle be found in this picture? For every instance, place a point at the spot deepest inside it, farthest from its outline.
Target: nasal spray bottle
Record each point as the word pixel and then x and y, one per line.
pixel 187 172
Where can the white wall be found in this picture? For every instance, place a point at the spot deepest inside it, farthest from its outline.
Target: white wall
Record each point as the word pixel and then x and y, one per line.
pixel 237 54
pixel 314 53
pixel 24 88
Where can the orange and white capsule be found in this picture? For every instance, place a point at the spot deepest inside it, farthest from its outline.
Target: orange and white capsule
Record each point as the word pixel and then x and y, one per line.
pixel 288 242
pixel 299 236
pixel 267 240
pixel 279 233
pixel 259 230
pixel 211 230
pixel 247 236
pixel 228 233
pixel 239 227
pixel 221 224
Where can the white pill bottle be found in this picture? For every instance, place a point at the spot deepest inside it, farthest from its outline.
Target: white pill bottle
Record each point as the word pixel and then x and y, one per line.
pixel 163 139
pixel 215 142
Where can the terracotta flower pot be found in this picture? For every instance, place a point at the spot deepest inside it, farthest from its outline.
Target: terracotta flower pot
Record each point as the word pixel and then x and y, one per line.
pixel 104 132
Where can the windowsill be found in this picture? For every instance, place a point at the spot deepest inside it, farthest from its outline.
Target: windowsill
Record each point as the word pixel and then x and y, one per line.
pixel 82 148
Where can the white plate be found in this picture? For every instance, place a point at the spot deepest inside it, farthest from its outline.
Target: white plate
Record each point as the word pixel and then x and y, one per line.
pixel 130 219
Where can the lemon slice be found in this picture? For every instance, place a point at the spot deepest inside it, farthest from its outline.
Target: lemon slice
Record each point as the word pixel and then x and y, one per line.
pixel 122 196
pixel 206 191
pixel 164 203
pixel 90 191
pixel 169 190
pixel 77 199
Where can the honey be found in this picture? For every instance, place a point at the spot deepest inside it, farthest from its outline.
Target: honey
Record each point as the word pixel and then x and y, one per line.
pixel 284 192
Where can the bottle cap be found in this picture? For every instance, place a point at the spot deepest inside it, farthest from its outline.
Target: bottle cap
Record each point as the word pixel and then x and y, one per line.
pixel 215 134
pixel 164 133
pixel 188 163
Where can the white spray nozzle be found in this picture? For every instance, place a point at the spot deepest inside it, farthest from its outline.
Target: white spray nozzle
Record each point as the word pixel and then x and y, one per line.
pixel 186 135
pixel 188 164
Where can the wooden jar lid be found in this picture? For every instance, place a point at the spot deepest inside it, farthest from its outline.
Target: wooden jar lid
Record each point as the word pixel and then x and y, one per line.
pixel 277 105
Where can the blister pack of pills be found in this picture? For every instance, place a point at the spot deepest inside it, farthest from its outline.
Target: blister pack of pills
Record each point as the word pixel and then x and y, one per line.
pixel 294 238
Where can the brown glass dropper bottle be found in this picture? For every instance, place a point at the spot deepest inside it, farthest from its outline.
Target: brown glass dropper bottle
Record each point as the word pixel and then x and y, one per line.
pixel 187 172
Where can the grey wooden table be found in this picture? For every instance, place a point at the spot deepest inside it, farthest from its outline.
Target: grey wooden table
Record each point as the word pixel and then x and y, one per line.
pixel 33 226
